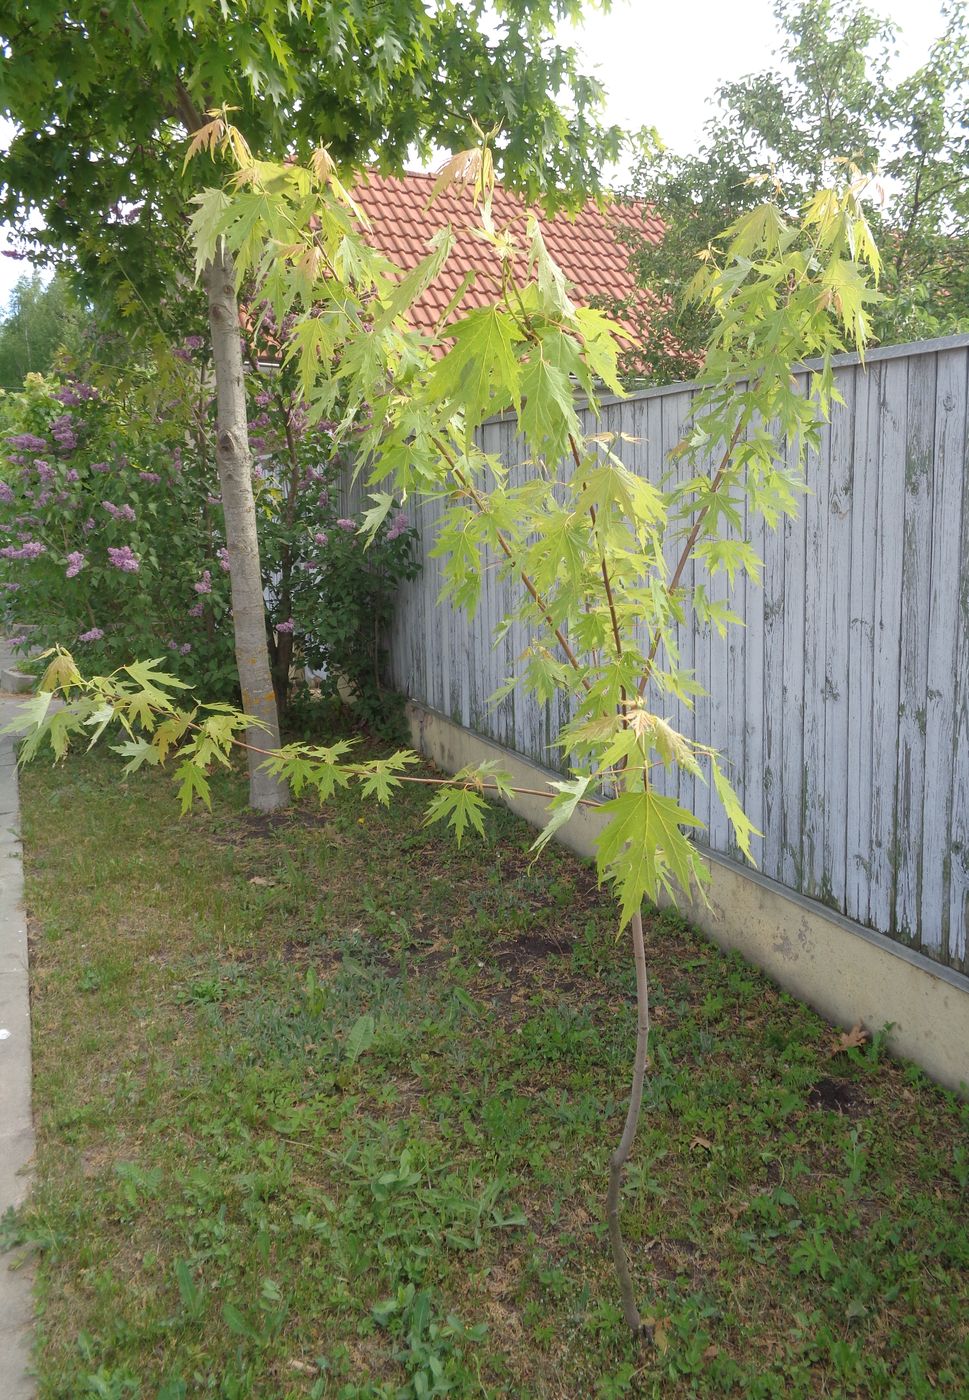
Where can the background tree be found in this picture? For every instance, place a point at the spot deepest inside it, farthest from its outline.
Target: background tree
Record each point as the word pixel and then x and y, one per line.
pixel 828 99
pixel 103 95
pixel 41 318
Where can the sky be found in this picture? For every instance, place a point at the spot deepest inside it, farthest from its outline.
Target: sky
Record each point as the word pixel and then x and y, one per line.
pixel 661 62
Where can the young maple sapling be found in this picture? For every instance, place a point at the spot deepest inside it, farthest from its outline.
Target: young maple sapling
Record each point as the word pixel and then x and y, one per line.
pixel 604 569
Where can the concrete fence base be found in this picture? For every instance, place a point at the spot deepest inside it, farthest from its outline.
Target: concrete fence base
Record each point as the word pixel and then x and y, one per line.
pixel 844 971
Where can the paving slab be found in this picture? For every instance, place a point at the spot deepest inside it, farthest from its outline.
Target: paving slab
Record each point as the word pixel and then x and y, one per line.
pixel 16 1121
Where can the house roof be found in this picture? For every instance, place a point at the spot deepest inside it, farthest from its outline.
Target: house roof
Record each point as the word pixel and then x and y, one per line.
pixel 585 245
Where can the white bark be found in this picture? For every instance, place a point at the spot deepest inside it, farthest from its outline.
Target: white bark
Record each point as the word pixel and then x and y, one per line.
pixel 266 793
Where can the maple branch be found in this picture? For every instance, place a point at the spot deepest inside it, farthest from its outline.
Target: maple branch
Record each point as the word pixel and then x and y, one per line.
pixel 476 496
pixel 605 572
pixel 687 550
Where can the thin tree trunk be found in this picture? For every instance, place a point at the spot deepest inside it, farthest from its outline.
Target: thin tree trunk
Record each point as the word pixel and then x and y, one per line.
pixel 619 1157
pixel 266 793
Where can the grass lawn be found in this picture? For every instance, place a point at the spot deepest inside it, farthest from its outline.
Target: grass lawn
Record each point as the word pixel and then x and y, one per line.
pixel 325 1105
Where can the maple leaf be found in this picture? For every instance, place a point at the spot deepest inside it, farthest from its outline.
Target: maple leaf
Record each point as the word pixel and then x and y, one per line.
pixel 849 1040
pixel 643 851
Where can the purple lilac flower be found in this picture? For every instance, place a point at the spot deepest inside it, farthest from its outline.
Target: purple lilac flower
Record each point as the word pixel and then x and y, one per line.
pixel 88 525
pixel 197 611
pixel 30 549
pixel 124 512
pixel 213 500
pixel 10 587
pixel 27 442
pixel 79 392
pixel 100 467
pixel 6 495
pixel 204 584
pixel 75 563
pixel 124 559
pixel 397 526
pixel 258 472
pixel 323 499
pixel 347 524
pixel 320 537
pixel 71 475
pixel 72 394
pixel 185 648
pixel 223 557
pixel 44 470
pixel 177 459
pixel 151 477
pixel 94 635
pixel 62 431
pixel 193 342
pixel 285 626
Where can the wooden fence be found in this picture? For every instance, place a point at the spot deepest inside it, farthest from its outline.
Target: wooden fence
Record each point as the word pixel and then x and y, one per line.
pixel 842 705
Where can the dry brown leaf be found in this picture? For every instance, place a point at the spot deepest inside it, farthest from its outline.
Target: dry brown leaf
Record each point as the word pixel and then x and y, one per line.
pixel 304 1368
pixel 698 1141
pixel 849 1040
pixel 261 880
pixel 711 1351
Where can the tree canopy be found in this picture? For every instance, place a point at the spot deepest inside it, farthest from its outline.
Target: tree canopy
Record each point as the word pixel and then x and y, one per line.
pixel 829 99
pixel 95 91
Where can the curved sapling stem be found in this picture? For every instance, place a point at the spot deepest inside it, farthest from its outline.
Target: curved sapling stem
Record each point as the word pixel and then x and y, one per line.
pixel 619 1158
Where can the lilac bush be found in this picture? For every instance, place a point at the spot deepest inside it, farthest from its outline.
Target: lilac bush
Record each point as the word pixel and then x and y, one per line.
pixel 330 592
pixel 107 526
pixel 112 536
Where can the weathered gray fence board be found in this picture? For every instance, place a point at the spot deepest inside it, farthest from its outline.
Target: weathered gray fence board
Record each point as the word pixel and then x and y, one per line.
pixel 958 921
pixel 842 705
pixel 814 766
pixel 888 542
pixel 836 625
pixel 916 564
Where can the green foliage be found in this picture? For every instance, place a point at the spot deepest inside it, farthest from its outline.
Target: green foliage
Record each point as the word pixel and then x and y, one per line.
pixel 40 320
pixel 112 534
pixel 330 578
pixel 100 120
pixel 829 100
pixel 589 541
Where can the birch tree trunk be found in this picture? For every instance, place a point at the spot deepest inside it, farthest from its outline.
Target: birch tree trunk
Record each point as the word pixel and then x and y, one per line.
pixel 266 793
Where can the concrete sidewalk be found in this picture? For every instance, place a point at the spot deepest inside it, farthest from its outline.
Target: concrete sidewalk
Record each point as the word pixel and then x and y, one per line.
pixel 16 1122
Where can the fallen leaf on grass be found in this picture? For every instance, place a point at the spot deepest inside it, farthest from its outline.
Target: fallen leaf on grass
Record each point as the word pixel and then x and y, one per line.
pixel 849 1040
pixel 701 1142
pixel 260 880
pixel 658 1328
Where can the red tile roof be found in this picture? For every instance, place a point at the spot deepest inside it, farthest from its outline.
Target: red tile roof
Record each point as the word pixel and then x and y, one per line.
pixel 584 245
